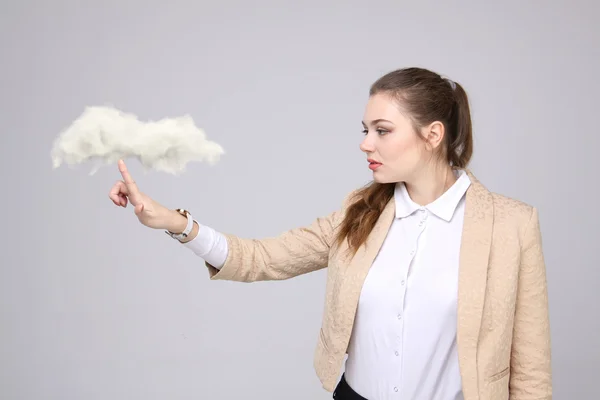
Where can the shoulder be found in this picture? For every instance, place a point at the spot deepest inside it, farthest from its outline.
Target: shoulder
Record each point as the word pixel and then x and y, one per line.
pixel 513 213
pixel 507 211
pixel 505 206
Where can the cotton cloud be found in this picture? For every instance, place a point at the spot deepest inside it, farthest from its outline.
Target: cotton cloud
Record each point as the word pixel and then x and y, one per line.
pixel 103 135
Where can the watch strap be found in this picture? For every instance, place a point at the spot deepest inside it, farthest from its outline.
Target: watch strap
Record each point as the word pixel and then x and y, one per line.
pixel 188 228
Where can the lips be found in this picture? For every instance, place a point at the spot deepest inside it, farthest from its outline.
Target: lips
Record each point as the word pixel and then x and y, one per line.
pixel 373 165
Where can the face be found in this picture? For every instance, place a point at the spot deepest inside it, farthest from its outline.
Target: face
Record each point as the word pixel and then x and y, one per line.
pixel 395 151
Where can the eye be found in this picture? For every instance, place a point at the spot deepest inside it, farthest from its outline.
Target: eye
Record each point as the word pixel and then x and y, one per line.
pixel 380 131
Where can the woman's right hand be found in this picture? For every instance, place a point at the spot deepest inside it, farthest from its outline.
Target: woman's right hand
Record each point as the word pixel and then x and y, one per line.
pixel 149 212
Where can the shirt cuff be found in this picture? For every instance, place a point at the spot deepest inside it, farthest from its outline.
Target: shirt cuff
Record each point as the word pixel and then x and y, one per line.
pixel 209 245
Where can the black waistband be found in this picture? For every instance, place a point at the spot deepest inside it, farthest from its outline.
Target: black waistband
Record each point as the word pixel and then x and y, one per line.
pixel 343 391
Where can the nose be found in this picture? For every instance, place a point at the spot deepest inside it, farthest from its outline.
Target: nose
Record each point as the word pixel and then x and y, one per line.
pixel 367 144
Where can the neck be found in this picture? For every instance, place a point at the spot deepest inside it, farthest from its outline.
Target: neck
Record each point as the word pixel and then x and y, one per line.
pixel 430 183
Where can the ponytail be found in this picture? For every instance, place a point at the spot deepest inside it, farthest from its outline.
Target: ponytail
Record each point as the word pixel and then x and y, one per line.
pixel 460 140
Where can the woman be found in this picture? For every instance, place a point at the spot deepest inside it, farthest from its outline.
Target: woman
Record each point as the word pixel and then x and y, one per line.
pixel 436 287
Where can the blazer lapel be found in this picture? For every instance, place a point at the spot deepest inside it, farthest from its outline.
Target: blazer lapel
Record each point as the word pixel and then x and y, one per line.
pixel 474 257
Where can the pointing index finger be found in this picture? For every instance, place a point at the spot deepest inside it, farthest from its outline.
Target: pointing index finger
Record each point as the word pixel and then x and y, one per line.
pixel 129 182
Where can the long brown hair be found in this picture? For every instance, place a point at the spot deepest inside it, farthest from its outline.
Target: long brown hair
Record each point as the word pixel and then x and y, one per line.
pixel 426 97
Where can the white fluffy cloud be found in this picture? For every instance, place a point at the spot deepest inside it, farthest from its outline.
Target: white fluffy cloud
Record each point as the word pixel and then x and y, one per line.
pixel 103 135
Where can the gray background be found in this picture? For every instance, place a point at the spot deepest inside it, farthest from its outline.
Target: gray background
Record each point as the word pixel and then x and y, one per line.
pixel 95 306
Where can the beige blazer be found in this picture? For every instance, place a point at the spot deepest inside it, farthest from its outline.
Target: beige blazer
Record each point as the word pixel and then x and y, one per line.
pixel 503 328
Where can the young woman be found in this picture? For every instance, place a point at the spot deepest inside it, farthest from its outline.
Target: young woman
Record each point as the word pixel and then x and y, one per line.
pixel 436 287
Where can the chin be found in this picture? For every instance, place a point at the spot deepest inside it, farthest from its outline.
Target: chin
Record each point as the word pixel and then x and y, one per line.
pixel 382 179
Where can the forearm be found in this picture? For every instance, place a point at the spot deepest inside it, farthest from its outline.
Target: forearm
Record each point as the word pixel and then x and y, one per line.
pixel 294 252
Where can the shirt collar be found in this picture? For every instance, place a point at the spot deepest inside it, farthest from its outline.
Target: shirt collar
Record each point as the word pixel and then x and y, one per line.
pixel 444 206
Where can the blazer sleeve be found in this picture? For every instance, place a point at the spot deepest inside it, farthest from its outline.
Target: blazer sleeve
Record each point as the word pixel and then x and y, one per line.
pixel 292 253
pixel 530 376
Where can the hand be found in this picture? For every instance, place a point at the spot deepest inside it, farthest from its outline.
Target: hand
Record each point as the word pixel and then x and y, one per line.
pixel 149 212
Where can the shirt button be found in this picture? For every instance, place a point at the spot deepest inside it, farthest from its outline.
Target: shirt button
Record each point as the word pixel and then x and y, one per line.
pixel 399 316
pixel 397 354
pixel 402 283
pixel 395 389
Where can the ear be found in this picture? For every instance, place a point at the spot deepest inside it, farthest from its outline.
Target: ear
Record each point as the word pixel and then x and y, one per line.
pixel 434 133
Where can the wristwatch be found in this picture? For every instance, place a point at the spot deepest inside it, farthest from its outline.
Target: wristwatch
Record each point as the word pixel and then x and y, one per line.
pixel 188 228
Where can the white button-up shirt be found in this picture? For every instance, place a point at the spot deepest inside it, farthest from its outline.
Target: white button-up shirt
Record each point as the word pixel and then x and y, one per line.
pixel 403 343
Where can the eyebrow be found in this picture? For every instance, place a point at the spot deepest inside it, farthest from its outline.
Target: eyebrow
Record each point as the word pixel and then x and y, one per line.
pixel 376 121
